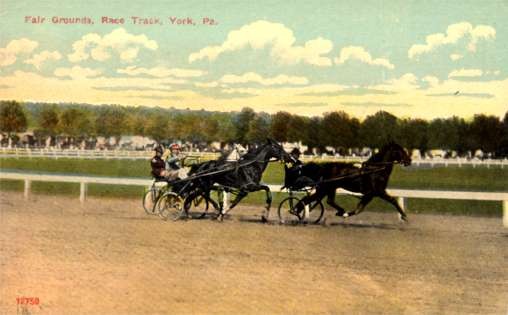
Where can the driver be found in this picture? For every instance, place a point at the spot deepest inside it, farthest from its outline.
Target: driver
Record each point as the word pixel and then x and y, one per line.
pixel 293 178
pixel 173 161
pixel 157 163
pixel 166 169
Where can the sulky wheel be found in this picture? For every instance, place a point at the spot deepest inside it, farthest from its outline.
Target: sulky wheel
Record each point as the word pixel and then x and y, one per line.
pixel 287 212
pixel 149 200
pixel 169 206
pixel 196 206
pixel 315 212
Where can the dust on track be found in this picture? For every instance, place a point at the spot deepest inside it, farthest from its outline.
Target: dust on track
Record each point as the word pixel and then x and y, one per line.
pixel 108 256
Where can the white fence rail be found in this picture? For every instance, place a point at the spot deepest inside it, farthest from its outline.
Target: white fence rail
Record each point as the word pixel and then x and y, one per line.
pixel 145 155
pixel 89 154
pixel 401 194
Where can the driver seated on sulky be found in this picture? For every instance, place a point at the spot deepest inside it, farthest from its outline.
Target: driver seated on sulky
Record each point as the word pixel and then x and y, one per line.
pixel 292 177
pixel 167 168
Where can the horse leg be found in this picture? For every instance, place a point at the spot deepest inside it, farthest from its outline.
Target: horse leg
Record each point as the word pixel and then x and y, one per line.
pixel 210 200
pixel 253 188
pixel 241 194
pixel 330 200
pixel 266 215
pixel 237 199
pixel 364 201
pixel 395 203
pixel 308 200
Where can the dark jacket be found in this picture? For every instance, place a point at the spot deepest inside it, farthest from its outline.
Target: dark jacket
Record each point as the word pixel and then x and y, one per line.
pixel 158 165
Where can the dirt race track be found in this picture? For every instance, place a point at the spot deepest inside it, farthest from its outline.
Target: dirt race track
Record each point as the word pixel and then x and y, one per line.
pixel 107 256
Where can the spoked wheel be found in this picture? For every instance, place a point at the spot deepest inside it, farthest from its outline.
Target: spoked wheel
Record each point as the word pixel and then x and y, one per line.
pixel 170 206
pixel 149 200
pixel 197 208
pixel 316 211
pixel 287 211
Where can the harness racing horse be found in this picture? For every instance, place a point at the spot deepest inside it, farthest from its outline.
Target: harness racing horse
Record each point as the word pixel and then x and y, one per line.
pixel 241 177
pixel 371 179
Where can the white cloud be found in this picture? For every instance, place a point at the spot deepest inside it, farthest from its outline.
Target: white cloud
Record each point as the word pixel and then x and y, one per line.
pixel 277 37
pixel 359 53
pixel 156 92
pixel 99 48
pixel 76 72
pixel 465 73
pixel 9 53
pixel 38 59
pixel 250 91
pixel 480 32
pixel 407 81
pixel 207 84
pixel 456 57
pixel 254 77
pixel 431 80
pixel 161 72
pixel 454 33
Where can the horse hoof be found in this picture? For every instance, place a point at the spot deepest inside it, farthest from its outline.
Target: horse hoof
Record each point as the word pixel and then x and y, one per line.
pixel 263 219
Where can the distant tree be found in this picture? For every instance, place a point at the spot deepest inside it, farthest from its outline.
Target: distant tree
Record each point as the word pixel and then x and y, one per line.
pixel 12 117
pixel 503 143
pixel 486 132
pixel 47 121
pixel 313 137
pixel 378 129
pixel 111 122
pixel 194 127
pixel 413 134
pixel 295 128
pixel 226 132
pixel 355 126
pixel 280 125
pixel 135 123
pixel 338 129
pixel 75 123
pixel 449 134
pixel 259 129
pixel 241 123
pixel 157 127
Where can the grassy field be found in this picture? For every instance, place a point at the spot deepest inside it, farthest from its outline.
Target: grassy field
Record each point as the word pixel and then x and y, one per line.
pixel 438 178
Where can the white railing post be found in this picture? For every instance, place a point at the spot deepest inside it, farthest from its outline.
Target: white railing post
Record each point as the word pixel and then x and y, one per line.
pixel 402 203
pixel 82 192
pixel 26 191
pixel 225 200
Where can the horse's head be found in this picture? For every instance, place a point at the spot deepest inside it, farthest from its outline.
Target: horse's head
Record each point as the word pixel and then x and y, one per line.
pixel 396 153
pixel 277 151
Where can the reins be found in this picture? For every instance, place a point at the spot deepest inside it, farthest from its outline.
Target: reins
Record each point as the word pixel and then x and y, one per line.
pixel 217 170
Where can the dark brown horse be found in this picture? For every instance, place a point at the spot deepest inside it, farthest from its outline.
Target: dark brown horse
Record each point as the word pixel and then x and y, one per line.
pixel 371 179
pixel 242 177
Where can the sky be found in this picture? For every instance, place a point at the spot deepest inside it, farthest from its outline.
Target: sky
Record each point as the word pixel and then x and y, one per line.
pixel 422 59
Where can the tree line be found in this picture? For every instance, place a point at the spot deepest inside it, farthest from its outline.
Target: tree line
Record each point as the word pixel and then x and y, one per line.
pixel 334 129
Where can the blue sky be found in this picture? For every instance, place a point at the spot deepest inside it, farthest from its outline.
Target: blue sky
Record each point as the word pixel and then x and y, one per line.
pixel 412 58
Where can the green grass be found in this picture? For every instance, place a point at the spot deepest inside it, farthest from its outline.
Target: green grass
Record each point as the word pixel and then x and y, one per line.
pixel 438 178
pixel 120 168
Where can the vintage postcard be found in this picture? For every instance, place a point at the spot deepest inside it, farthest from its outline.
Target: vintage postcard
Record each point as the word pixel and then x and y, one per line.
pixel 253 157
